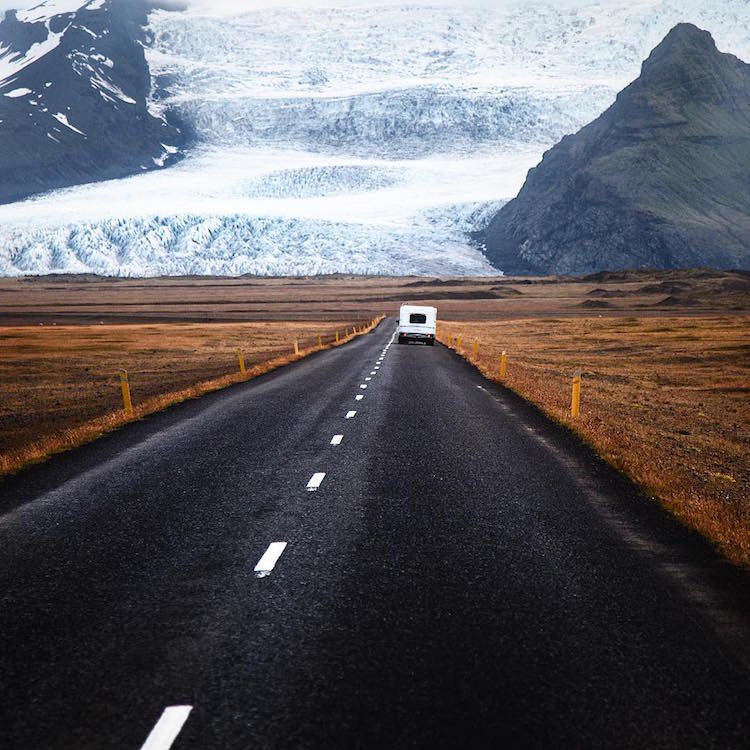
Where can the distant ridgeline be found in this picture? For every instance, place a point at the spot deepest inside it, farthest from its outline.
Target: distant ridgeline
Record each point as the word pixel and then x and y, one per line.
pixel 74 85
pixel 661 179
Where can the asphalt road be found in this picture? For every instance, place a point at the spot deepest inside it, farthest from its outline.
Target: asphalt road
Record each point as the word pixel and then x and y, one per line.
pixel 466 575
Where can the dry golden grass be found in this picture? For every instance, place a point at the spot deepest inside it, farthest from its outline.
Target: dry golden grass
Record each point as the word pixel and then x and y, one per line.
pixel 665 400
pixel 664 354
pixel 58 384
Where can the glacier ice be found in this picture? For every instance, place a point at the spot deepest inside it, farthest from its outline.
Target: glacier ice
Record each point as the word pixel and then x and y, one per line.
pixel 354 139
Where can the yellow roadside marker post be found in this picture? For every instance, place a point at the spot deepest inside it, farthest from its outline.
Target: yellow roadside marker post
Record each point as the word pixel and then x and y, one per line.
pixel 296 347
pixel 503 364
pixel 241 360
pixel 320 342
pixel 337 337
pixel 476 347
pixel 459 339
pixel 127 404
pixel 575 400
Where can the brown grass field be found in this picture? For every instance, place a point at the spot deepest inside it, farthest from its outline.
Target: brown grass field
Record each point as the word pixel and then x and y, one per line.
pixel 665 400
pixel 665 359
pixel 59 385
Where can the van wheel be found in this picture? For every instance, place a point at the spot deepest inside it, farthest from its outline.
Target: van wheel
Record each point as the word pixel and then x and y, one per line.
pixel 431 342
pixel 401 340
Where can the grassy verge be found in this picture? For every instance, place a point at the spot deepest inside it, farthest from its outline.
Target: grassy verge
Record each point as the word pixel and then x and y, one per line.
pixel 663 400
pixel 58 388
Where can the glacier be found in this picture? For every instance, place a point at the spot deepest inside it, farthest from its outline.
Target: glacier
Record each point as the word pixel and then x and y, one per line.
pixel 355 139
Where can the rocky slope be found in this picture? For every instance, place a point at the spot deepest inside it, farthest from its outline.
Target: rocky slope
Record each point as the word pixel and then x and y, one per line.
pixel 661 179
pixel 74 85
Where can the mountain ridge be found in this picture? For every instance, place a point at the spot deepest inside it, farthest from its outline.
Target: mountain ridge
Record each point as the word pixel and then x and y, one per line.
pixel 660 179
pixel 74 97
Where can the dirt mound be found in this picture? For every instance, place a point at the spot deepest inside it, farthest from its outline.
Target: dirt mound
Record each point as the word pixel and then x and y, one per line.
pixel 595 303
pixel 678 301
pixel 608 293
pixel 665 287
pixel 619 277
pixel 735 284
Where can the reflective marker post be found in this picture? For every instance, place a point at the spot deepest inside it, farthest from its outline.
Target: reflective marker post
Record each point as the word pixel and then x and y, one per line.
pixel 127 404
pixel 575 400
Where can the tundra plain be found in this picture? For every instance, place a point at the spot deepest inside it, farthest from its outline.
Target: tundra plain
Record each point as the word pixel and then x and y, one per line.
pixel 665 358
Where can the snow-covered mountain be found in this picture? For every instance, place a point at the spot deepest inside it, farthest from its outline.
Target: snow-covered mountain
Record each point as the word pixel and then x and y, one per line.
pixel 365 138
pixel 74 90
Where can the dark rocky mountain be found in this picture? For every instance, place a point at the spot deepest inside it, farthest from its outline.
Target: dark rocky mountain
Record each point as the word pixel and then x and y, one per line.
pixel 74 85
pixel 660 180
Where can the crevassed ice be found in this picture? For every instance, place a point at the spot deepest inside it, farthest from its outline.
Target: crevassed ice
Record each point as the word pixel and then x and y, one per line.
pixel 360 139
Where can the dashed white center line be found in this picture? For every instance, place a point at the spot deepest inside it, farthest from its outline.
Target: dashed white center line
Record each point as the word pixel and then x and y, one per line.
pixel 372 372
pixel 367 379
pixel 165 730
pixel 270 558
pixel 336 439
pixel 377 367
pixel 315 481
pixel 363 385
pixel 350 414
pixel 358 397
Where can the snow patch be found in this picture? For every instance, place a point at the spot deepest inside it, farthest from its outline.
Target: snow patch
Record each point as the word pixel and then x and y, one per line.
pixel 105 85
pixel 60 117
pixel 18 92
pixel 13 62
pixel 103 60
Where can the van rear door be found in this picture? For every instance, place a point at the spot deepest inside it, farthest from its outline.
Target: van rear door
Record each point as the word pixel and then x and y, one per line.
pixel 417 323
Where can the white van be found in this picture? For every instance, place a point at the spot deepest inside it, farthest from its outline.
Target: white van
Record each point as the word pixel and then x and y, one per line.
pixel 417 323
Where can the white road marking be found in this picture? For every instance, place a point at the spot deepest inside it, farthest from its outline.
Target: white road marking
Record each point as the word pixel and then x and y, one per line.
pixel 363 385
pixel 336 439
pixel 270 558
pixel 350 414
pixel 359 397
pixel 377 367
pixel 372 372
pixel 315 481
pixel 165 730
pixel 367 379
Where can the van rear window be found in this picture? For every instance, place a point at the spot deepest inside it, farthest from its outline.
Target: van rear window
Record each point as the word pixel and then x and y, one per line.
pixel 417 318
